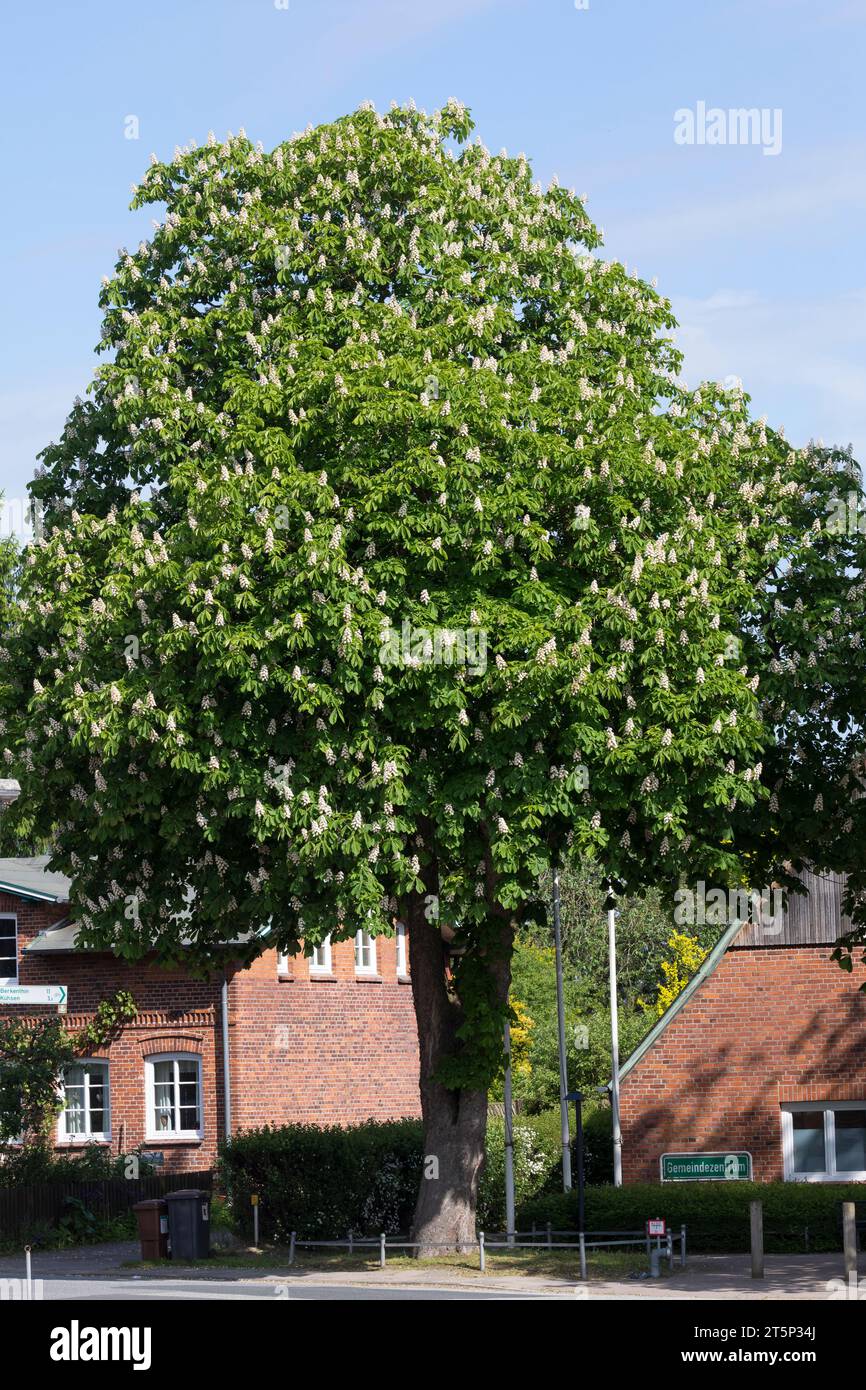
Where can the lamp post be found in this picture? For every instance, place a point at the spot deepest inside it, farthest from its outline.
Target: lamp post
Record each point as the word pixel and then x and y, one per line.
pixel 614 1040
pixel 560 1016
pixel 577 1097
pixel 509 1142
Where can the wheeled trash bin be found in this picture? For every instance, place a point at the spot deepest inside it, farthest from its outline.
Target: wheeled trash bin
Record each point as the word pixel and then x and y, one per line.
pixel 189 1223
pixel 152 1217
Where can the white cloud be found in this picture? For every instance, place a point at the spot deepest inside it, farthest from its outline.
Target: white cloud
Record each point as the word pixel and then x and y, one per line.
pixel 811 191
pixel 798 360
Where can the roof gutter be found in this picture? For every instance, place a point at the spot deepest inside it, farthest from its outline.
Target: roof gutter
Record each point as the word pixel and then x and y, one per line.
pixel 682 998
pixel 34 894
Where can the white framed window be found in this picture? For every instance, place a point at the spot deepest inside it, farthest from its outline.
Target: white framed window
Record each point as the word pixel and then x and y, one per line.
pixel 365 953
pixel 284 968
pixel 173 1096
pixel 402 955
pixel 8 949
pixel 824 1141
pixel 320 960
pixel 86 1112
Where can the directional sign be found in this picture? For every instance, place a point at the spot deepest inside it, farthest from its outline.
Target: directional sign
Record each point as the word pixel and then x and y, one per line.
pixel 706 1167
pixel 35 994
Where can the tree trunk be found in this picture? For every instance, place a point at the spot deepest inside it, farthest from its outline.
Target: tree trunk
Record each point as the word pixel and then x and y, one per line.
pixel 455 1121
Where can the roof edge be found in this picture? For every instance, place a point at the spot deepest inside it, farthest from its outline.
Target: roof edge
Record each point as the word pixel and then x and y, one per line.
pixel 17 890
pixel 694 984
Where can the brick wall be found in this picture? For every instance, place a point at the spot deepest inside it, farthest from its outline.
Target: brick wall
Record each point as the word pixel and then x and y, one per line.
pixel 334 1049
pixel 176 1013
pixel 323 1049
pixel 771 1025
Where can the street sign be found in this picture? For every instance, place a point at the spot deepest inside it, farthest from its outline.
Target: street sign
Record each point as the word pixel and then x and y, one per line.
pixel 656 1226
pixel 35 994
pixel 706 1167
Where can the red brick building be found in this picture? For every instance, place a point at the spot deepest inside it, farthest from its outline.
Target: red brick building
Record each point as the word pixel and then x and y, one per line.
pixel 329 1039
pixel 763 1053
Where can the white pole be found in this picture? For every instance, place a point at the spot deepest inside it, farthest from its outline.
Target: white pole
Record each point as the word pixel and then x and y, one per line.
pixel 509 1142
pixel 563 1065
pixel 614 1048
pixel 849 1241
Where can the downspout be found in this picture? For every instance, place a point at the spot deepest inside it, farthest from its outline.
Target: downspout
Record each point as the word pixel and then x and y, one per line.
pixel 227 1084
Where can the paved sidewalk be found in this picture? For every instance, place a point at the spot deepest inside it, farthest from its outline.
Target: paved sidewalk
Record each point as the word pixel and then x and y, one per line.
pixel 706 1277
pixel 788 1277
pixel 78 1259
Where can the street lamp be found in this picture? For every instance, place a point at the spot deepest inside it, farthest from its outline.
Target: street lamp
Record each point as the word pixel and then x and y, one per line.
pixel 560 1019
pixel 612 915
pixel 577 1097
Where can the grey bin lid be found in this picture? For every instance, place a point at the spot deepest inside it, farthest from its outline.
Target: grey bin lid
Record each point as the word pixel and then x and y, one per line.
pixel 195 1192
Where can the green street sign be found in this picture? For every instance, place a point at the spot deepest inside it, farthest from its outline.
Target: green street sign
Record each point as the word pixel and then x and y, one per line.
pixel 735 1167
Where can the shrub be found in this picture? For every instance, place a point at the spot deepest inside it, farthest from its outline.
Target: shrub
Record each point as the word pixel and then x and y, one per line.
pixel 587 1030
pixel 597 1146
pixel 221 1215
pixel 537 1154
pixel 325 1181
pixel 716 1214
pixel 36 1163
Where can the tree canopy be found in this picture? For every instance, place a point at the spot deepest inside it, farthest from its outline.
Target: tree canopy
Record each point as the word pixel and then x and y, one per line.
pixel 389 557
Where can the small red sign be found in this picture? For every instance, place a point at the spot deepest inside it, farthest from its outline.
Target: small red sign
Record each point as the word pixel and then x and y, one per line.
pixel 656 1226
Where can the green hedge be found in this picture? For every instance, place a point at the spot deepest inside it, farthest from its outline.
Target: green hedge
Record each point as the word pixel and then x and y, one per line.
pixel 715 1213
pixel 36 1163
pixel 537 1165
pixel 324 1181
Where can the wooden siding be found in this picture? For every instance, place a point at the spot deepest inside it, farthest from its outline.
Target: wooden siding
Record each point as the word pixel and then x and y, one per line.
pixel 813 920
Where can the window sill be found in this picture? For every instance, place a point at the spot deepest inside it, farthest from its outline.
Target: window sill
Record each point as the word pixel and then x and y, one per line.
pixel 364 977
pixel 404 979
pixel 79 1141
pixel 163 1141
pixel 826 1177
pixel 322 976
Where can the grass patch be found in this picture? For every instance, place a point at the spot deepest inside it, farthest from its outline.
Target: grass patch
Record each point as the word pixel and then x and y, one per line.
pixel 549 1264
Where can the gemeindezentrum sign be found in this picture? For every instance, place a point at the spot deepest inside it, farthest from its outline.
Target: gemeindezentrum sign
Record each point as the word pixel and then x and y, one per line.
pixel 717 1167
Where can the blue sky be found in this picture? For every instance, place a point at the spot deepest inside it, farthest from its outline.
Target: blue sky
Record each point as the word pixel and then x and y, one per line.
pixel 762 255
